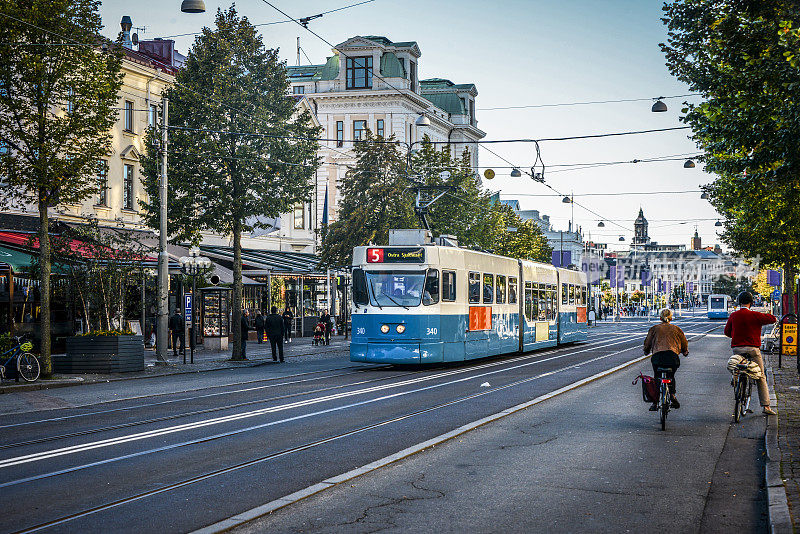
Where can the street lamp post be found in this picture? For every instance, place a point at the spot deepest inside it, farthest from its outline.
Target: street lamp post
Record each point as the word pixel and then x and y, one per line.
pixel 193 265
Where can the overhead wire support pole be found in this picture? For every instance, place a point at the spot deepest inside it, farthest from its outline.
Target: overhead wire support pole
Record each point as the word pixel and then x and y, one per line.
pixel 163 257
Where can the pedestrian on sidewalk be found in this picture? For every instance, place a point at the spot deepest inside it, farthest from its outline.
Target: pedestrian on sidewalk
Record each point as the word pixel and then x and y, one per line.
pixel 245 333
pixel 288 316
pixel 666 341
pixel 274 325
pixel 744 329
pixel 176 331
pixel 326 320
pixel 259 323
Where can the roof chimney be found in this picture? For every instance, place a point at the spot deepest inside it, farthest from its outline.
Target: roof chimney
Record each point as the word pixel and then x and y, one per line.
pixel 126 24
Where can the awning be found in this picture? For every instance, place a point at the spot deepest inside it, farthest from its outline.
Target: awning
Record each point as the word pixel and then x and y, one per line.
pixel 261 261
pixel 20 261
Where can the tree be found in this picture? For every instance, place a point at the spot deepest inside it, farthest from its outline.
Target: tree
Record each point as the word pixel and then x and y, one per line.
pixel 742 58
pixel 375 198
pixel 238 155
pixel 58 99
pixel 377 195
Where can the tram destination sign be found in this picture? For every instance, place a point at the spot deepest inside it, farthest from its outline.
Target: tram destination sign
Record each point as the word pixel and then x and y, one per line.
pixel 396 255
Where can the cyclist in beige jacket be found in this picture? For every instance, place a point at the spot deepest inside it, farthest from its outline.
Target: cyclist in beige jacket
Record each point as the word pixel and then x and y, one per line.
pixel 665 342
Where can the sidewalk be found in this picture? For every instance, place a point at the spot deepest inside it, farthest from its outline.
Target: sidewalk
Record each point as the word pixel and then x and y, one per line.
pixel 787 391
pixel 257 354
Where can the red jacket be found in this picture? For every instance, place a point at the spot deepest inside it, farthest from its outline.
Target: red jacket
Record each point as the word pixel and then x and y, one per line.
pixel 744 327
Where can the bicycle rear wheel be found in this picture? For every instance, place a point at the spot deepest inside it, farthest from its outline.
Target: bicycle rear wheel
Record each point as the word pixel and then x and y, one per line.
pixel 28 367
pixel 739 391
pixel 664 406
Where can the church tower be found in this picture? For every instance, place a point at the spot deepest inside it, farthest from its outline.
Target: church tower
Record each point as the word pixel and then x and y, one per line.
pixel 640 236
pixel 696 241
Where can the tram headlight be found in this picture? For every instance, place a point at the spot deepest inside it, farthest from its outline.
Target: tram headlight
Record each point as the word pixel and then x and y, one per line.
pixel 401 328
pixel 385 328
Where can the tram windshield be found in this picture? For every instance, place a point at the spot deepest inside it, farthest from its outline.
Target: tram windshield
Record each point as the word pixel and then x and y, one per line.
pixel 717 303
pixel 395 288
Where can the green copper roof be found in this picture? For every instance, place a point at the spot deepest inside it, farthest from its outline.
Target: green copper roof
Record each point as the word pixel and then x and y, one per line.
pixel 386 42
pixel 391 66
pixel 305 73
pixel 436 83
pixel 449 102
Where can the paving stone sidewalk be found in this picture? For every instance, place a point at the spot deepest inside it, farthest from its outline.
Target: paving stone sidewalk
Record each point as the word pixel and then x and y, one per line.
pixel 787 391
pixel 257 354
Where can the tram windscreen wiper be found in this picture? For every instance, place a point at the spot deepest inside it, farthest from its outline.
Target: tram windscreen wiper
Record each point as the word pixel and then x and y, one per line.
pixel 372 286
pixel 393 300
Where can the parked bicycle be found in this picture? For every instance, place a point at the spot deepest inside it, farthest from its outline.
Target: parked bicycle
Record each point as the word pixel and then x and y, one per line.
pixel 742 389
pixel 663 395
pixel 25 363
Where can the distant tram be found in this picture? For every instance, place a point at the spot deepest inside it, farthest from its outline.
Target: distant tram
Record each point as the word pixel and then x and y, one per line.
pixel 431 303
pixel 718 306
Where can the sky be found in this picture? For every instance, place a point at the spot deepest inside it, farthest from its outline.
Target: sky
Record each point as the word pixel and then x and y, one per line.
pixel 520 53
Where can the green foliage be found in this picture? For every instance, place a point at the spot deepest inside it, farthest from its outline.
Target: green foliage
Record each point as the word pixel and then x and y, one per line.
pixel 224 182
pixel 6 343
pixel 742 58
pixel 729 285
pixel 377 196
pixel 116 332
pixel 57 107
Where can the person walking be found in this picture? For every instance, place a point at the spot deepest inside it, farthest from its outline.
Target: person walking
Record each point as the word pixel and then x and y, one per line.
pixel 274 326
pixel 288 316
pixel 666 341
pixel 259 324
pixel 744 329
pixel 326 320
pixel 176 332
pixel 245 332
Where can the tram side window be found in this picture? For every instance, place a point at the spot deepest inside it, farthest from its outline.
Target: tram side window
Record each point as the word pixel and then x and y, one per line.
pixel 360 287
pixel 571 294
pixel 564 294
pixel 512 290
pixel 551 299
pixel 542 302
pixel 529 301
pixel 488 288
pixel 431 293
pixel 474 288
pixel 583 295
pixel 448 286
pixel 501 289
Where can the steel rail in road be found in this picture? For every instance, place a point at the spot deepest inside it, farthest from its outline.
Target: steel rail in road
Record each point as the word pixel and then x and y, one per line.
pixel 305 446
pixel 516 365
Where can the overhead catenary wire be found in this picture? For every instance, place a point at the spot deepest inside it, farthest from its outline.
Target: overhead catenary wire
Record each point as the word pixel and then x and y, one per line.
pixel 591 102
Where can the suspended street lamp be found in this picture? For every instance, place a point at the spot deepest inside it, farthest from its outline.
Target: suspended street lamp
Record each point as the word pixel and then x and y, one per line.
pixel 621 238
pixel 193 6
pixel 422 120
pixel 515 173
pixel 601 224
pixel 659 106
pixel 688 164
pixel 566 200
pixel 717 223
pixel 704 196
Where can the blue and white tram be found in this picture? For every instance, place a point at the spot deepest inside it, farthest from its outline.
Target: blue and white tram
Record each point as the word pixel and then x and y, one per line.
pixel 718 306
pixel 432 304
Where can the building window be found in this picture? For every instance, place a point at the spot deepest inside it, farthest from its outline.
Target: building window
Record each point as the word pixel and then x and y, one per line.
pixel 380 128
pixel 359 130
pixel 128 116
pixel 472 112
pixel 339 133
pixel 299 216
pixel 359 72
pixel 413 75
pixel 298 89
pixel 127 190
pixel 152 117
pixel 102 183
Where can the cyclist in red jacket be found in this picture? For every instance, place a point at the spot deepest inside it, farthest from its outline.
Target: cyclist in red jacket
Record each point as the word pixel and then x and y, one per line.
pixel 744 329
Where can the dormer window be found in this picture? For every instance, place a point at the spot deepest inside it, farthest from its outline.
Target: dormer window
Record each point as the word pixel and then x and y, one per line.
pixel 359 72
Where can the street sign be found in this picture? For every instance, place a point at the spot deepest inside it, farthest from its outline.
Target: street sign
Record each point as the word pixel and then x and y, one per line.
pixel 773 277
pixel 187 309
pixel 776 295
pixel 789 345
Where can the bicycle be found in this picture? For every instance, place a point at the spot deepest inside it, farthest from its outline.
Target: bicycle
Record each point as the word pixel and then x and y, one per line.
pixel 742 389
pixel 663 395
pixel 27 365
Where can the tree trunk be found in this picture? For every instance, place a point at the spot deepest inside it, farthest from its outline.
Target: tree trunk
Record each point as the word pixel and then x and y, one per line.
pixel 44 288
pixel 237 292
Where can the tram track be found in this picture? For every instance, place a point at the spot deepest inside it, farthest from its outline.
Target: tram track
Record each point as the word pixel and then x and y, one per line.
pixel 305 446
pixel 133 424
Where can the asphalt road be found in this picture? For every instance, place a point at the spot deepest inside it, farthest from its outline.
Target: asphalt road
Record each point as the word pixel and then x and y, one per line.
pixel 174 454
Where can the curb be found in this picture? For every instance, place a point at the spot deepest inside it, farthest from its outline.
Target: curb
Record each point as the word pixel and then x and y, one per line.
pixel 780 520
pixel 265 509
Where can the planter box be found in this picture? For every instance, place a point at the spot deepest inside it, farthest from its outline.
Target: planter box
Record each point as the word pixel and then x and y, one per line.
pixel 101 354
